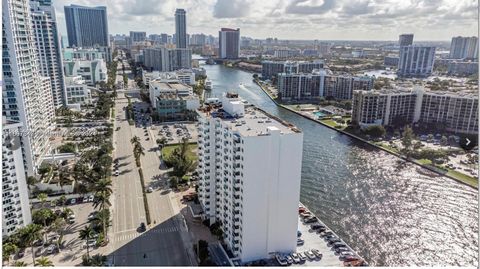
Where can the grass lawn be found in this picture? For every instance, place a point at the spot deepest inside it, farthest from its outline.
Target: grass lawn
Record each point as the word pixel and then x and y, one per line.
pixel 464 178
pixel 424 161
pixel 167 151
pixel 333 123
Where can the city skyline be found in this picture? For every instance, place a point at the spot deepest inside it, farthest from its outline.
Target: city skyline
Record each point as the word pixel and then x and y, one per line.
pixel 295 19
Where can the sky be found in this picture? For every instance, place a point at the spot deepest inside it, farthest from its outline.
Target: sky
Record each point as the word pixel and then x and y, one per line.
pixel 294 19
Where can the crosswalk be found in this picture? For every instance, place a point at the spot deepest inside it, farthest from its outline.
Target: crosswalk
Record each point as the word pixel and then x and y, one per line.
pixel 133 235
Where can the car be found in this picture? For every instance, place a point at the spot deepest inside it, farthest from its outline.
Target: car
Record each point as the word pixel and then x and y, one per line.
pixel 346 253
pixel 70 221
pixel 90 243
pixel 317 253
pixel 300 242
pixel 310 255
pixel 349 258
pixel 302 256
pixel 91 198
pixel 311 220
pixel 116 173
pixel 316 227
pixel 295 257
pixel 92 215
pixel 38 243
pixel 333 240
pixel 341 249
pixel 143 228
pixel 281 260
pixel 289 259
pixel 73 201
pixel 85 199
pixel 20 253
pixel 299 233
pixel 339 244
pixel 149 189
pixel 51 249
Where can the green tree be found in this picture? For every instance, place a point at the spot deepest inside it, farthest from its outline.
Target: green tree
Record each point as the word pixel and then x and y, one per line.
pixel 98 260
pixel 86 234
pixel 29 234
pixel 407 140
pixel 43 198
pixel 44 262
pixel 8 249
pixel 180 161
pixel 58 226
pixel 20 264
pixel 375 131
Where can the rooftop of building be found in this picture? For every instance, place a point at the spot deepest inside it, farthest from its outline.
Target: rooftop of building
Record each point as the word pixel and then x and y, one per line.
pixel 293 62
pixel 169 84
pixel 173 96
pixel 412 90
pixel 254 122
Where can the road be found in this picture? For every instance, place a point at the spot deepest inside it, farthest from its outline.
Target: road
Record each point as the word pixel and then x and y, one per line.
pixel 163 242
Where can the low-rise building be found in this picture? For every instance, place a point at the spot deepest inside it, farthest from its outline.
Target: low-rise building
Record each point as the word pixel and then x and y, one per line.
pixel 249 178
pixel 166 86
pixel 174 107
pixel 390 61
pixel 92 71
pixel 457 112
pixel 186 76
pixel 77 92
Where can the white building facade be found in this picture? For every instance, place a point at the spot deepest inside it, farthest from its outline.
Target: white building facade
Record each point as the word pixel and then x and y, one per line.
pixel 416 61
pixel 92 71
pixel 16 205
pixel 27 96
pixel 250 171
pixel 167 86
pixel 77 92
pixel 47 40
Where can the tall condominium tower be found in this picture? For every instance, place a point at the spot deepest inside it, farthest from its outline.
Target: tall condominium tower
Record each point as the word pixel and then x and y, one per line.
pixel 16 206
pixel 416 61
pixel 405 40
pixel 137 36
pixel 87 26
pixel 250 170
pixel 464 48
pixel 27 96
pixel 229 43
pixel 181 28
pixel 47 40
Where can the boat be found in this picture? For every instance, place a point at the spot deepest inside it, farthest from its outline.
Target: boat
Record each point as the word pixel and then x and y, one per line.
pixel 208 84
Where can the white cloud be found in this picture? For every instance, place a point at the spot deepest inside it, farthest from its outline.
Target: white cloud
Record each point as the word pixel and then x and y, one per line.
pixel 294 19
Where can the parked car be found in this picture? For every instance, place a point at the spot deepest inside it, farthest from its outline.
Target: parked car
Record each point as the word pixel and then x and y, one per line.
pixel 51 249
pixel 289 259
pixel 73 201
pixel 317 253
pixel 299 233
pixel 310 255
pixel 339 244
pixel 302 256
pixel 295 257
pixel 311 220
pixel 90 243
pixel 300 242
pixel 85 199
pixel 91 198
pixel 341 249
pixel 281 260
pixel 149 189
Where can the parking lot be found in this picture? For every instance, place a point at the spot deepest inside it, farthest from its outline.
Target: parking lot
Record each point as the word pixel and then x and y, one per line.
pixel 175 132
pixel 73 247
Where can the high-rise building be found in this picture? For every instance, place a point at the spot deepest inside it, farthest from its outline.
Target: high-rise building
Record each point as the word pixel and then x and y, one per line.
pixel 456 111
pixel 229 43
pixel 198 39
pixel 249 178
pixel 136 36
pixel 27 96
pixel 305 86
pixel 165 59
pixel 16 206
pixel 272 68
pixel 181 28
pixel 464 48
pixel 47 40
pixel 87 26
pixel 405 40
pixel 416 61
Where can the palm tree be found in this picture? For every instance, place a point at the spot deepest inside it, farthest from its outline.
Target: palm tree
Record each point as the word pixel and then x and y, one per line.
pixel 62 200
pixel 29 234
pixel 138 150
pixel 103 186
pixel 135 140
pixel 43 198
pixel 20 264
pixel 102 217
pixel 98 260
pixel 7 250
pixel 58 227
pixel 44 262
pixel 43 215
pixel 86 234
pixel 66 212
